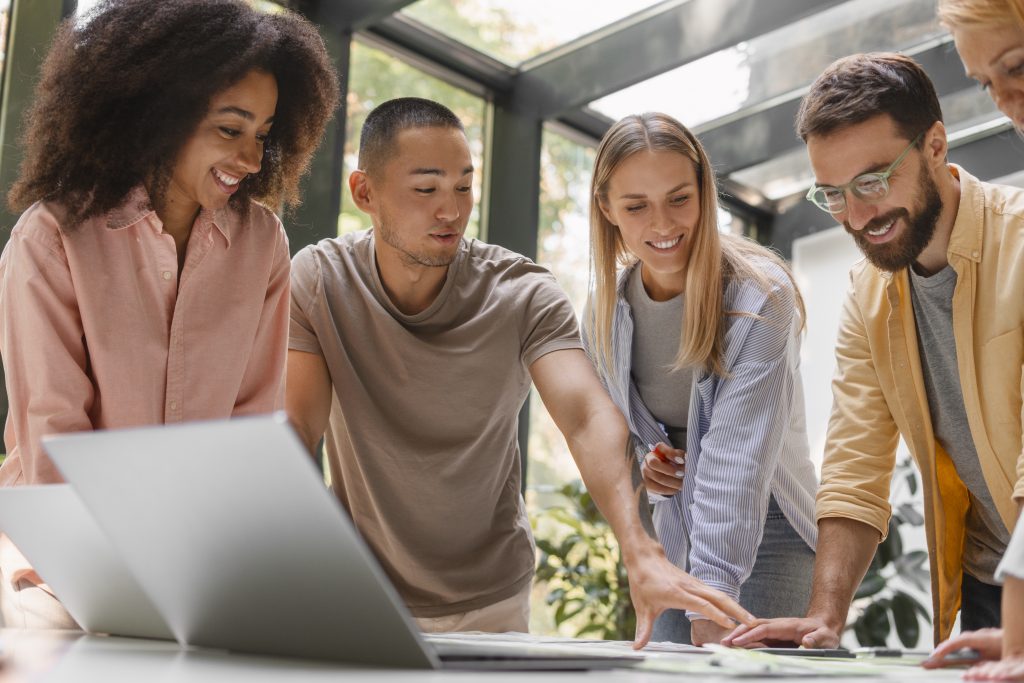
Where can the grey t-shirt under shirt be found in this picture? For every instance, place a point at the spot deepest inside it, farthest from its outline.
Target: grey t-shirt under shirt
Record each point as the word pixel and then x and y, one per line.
pixel 422 442
pixel 987 536
pixel 657 326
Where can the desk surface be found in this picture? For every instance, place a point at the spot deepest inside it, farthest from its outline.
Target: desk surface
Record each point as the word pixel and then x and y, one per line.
pixel 69 656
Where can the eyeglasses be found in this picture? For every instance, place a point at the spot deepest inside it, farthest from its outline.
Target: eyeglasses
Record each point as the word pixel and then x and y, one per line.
pixel 868 187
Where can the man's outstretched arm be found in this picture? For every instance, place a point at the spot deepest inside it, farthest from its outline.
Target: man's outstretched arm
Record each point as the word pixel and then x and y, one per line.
pixel 597 436
pixel 845 550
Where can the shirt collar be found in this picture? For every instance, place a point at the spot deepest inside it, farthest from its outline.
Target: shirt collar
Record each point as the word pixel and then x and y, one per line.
pixel 137 206
pixel 965 240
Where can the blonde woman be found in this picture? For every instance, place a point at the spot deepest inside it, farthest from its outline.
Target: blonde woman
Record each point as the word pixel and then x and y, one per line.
pixel 696 338
pixel 989 35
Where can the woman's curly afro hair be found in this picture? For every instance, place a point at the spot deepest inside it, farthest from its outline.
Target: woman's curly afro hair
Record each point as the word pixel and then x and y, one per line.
pixel 120 95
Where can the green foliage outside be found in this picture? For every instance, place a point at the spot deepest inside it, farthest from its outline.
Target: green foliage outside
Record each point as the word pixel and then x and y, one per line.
pixel 882 601
pixel 580 562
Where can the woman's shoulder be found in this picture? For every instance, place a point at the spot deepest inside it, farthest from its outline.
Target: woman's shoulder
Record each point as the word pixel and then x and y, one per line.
pixel 41 224
pixel 260 217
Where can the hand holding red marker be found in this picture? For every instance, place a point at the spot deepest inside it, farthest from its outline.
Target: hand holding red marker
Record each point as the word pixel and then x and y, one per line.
pixel 663 469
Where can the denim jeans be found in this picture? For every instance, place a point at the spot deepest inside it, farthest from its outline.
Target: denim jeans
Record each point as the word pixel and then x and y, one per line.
pixel 778 586
pixel 980 604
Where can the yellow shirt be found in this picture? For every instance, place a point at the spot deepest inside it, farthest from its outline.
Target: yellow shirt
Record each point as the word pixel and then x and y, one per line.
pixel 879 392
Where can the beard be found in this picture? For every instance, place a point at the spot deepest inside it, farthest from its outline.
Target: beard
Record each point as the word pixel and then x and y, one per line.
pixel 412 256
pixel 901 252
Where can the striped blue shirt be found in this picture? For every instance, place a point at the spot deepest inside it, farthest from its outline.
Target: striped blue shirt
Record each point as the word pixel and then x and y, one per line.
pixel 746 435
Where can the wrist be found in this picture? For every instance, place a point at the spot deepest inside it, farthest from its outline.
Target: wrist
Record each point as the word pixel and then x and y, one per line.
pixel 833 621
pixel 1013 645
pixel 639 550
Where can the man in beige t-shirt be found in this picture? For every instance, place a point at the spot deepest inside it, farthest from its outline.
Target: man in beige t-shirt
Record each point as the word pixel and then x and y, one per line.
pixel 413 349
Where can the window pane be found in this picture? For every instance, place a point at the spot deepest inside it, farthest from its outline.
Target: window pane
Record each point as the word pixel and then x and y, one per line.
pixel 376 76
pixel 5 22
pixel 777 62
pixel 562 247
pixel 513 31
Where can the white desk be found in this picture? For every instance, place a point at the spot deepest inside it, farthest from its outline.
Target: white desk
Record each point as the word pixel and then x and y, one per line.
pixel 65 657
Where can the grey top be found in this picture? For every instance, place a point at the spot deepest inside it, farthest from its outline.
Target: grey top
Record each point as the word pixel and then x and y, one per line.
pixel 657 326
pixel 987 536
pixel 746 432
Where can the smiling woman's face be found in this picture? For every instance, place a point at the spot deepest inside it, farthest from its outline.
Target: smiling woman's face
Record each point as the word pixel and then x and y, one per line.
pixel 228 144
pixel 654 200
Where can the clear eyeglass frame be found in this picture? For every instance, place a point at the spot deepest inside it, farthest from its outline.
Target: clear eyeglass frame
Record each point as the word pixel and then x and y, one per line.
pixel 868 187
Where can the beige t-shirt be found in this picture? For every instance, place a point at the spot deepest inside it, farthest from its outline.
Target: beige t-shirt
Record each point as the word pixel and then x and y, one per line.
pixel 422 442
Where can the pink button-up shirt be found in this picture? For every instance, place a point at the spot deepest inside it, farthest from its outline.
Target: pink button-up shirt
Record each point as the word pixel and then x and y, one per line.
pixel 98 331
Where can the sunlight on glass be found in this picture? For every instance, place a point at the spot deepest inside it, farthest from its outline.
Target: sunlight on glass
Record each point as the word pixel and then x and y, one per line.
pixel 777 62
pixel 513 31
pixel 563 247
pixel 5 23
pixel 83 7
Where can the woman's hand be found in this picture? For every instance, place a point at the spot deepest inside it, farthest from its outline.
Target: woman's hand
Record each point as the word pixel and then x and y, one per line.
pixel 663 469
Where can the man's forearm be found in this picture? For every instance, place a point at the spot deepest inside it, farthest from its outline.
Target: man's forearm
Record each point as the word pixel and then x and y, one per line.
pixel 845 550
pixel 615 483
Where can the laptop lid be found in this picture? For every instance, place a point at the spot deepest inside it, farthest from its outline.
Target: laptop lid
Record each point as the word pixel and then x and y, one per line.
pixel 66 547
pixel 229 529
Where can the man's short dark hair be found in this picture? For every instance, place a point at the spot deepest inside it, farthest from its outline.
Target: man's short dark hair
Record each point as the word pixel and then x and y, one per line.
pixel 860 87
pixel 390 118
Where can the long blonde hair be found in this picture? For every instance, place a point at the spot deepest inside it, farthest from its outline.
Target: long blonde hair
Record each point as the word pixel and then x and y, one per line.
pixel 954 14
pixel 715 258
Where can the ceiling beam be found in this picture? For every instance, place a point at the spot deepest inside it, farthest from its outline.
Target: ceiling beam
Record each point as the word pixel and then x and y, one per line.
pixel 768 132
pixel 351 15
pixel 623 55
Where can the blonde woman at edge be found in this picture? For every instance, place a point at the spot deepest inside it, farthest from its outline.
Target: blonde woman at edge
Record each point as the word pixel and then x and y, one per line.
pixel 989 35
pixel 696 338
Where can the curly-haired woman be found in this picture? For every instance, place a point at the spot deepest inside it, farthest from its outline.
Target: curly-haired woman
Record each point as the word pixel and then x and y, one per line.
pixel 145 282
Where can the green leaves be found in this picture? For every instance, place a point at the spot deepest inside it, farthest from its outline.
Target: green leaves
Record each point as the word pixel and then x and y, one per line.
pixel 872 627
pixel 873 583
pixel 904 613
pixel 887 605
pixel 580 562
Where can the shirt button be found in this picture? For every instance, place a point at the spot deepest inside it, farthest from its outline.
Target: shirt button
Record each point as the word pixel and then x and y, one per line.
pixel 174 405
pixel 167 275
pixel 974 254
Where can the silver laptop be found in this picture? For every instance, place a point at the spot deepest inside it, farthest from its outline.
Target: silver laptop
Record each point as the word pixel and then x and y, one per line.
pixel 229 529
pixel 58 536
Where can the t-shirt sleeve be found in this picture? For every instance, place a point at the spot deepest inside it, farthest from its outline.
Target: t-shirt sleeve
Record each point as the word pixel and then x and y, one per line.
pixel 307 285
pixel 548 321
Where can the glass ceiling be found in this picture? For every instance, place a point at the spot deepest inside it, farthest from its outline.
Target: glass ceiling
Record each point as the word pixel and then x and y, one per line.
pixel 513 31
pixel 790 173
pixel 777 62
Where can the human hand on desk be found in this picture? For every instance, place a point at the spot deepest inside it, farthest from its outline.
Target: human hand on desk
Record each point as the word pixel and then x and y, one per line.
pixel 655 584
pixel 1006 669
pixel 988 642
pixel 705 631
pixel 663 469
pixel 810 632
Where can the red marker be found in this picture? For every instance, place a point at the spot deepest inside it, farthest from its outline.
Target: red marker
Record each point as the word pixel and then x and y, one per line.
pixel 661 456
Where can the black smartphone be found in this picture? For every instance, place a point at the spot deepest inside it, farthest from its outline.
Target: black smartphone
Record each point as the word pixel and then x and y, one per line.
pixel 808 651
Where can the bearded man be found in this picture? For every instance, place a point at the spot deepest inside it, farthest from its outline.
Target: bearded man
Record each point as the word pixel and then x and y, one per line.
pixel 930 347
